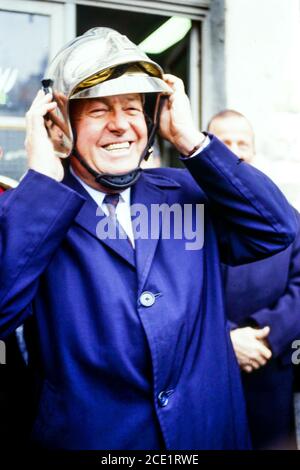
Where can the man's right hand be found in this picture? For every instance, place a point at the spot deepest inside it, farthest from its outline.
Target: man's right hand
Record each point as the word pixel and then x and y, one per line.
pixel 40 151
pixel 250 348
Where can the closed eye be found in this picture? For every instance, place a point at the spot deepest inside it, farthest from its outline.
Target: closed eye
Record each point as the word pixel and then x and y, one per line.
pixel 132 110
pixel 98 111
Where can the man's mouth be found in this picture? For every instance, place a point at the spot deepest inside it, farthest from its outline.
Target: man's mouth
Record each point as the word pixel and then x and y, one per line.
pixel 117 146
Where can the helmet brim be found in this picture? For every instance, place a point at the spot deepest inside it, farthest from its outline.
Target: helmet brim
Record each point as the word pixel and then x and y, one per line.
pixel 126 84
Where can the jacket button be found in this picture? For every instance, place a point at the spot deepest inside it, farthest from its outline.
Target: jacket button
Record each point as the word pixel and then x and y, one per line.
pixel 163 398
pixel 147 299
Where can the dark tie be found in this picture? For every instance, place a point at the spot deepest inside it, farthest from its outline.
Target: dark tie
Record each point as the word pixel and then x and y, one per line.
pixel 111 201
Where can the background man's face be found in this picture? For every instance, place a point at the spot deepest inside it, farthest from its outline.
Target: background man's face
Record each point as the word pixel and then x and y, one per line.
pixel 237 134
pixel 111 132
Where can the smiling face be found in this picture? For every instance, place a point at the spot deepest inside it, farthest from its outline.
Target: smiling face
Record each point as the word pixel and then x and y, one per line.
pixel 111 134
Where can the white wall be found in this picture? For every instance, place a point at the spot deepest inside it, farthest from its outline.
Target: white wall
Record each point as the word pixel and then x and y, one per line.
pixel 262 57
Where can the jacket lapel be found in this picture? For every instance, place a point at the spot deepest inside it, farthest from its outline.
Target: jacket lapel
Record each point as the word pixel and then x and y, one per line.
pixel 150 189
pixel 89 217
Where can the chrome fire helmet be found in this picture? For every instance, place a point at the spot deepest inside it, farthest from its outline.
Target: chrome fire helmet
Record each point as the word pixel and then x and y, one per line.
pixel 102 62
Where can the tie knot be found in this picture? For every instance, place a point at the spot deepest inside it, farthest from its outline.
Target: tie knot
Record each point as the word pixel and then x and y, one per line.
pixel 112 199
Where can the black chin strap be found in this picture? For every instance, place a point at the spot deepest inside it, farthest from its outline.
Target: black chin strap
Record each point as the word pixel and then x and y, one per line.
pixel 119 182
pixel 125 180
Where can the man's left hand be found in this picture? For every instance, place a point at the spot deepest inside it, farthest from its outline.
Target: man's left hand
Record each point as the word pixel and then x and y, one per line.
pixel 176 121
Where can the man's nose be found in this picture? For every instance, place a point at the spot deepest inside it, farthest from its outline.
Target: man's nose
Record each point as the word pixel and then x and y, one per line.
pixel 118 122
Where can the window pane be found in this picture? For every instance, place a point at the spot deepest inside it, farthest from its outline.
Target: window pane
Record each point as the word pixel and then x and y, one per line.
pixel 13 162
pixel 24 51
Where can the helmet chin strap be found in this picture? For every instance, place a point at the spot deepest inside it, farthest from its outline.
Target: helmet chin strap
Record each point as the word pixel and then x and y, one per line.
pixel 125 180
pixel 117 182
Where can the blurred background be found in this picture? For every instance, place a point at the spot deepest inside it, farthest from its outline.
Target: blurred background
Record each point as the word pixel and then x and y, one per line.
pixel 240 54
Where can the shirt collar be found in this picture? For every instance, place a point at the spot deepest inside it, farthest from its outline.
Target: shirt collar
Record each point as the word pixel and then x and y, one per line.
pixel 98 195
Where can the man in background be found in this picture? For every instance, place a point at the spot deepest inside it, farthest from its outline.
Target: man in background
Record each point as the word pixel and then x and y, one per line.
pixel 263 306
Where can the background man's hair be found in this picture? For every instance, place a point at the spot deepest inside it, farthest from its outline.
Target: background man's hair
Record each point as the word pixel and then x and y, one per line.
pixel 226 113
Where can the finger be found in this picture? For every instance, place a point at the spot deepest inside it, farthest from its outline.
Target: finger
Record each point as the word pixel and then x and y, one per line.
pixel 247 369
pixel 61 100
pixel 262 333
pixel 40 110
pixel 37 113
pixel 262 361
pixel 258 357
pixel 59 122
pixel 171 78
pixel 263 351
pixel 175 83
pixel 38 96
pixel 256 364
pixel 41 97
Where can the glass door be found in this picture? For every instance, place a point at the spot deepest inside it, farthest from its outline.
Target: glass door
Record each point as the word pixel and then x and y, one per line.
pixel 27 42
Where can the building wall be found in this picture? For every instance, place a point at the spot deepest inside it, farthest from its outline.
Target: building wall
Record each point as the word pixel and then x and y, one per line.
pixel 262 63
pixel 213 66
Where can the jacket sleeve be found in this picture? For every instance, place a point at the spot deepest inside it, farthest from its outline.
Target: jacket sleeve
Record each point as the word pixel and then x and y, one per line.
pixel 284 316
pixel 252 217
pixel 34 218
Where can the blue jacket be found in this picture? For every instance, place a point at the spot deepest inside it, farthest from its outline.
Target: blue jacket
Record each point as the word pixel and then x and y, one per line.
pixel 116 372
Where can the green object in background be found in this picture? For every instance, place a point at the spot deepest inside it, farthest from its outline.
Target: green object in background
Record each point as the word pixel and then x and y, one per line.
pixel 3 98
